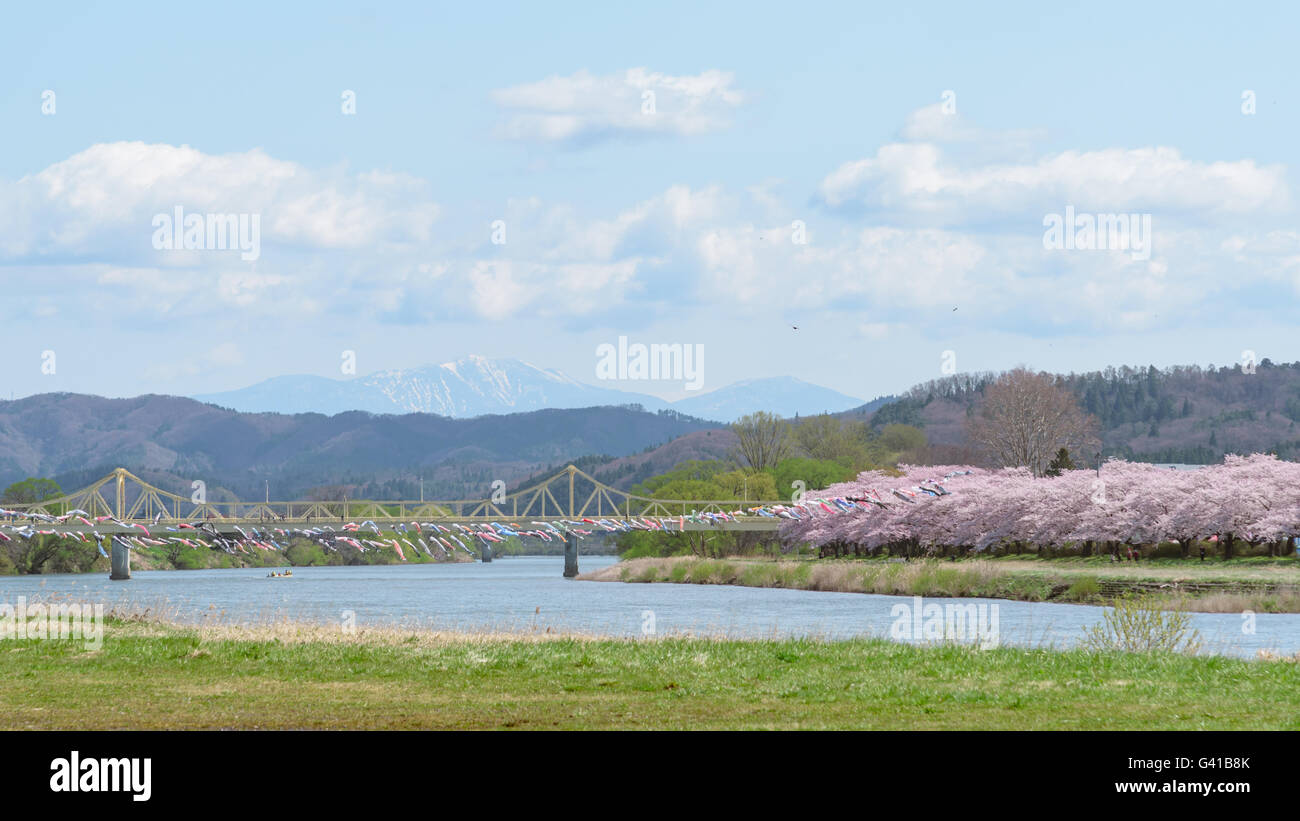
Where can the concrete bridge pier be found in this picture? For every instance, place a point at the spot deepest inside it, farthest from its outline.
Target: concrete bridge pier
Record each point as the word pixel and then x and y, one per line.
pixel 570 555
pixel 485 552
pixel 121 560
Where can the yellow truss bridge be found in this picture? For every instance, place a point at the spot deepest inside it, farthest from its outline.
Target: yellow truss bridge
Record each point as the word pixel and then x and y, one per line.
pixel 569 495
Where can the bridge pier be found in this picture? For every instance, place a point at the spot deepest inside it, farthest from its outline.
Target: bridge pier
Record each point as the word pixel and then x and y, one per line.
pixel 485 552
pixel 120 559
pixel 570 555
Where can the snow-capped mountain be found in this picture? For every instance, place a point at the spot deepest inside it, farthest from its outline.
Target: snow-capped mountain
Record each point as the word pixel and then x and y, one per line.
pixel 476 385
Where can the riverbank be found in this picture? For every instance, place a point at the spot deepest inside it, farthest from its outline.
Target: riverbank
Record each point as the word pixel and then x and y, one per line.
pixel 72 556
pixel 1219 587
pixel 149 674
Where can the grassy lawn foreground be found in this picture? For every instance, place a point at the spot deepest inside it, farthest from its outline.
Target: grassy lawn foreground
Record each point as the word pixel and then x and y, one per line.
pixel 148 676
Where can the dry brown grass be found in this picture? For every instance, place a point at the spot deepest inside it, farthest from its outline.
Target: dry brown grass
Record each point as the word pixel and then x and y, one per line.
pixel 141 620
pixel 1188 570
pixel 1269 655
pixel 1285 602
pixel 889 578
pixel 985 578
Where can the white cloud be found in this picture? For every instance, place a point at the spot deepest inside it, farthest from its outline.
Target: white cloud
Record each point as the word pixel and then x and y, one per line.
pixel 880 267
pixel 584 107
pixel 360 245
pixel 506 289
pixel 103 200
pixel 917 180
pixel 246 288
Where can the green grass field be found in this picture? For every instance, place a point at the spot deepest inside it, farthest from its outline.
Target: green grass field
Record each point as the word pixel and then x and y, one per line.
pixel 153 676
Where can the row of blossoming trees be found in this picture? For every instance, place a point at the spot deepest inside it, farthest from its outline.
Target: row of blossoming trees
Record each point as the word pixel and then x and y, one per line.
pixel 1252 499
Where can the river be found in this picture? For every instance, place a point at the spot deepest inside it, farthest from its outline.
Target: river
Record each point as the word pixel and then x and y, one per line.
pixel 529 593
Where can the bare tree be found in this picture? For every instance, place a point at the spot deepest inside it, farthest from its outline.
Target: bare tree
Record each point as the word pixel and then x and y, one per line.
pixel 764 439
pixel 1025 418
pixel 820 437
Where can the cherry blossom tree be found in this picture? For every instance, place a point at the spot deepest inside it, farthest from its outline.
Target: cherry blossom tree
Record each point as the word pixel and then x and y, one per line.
pixel 1253 499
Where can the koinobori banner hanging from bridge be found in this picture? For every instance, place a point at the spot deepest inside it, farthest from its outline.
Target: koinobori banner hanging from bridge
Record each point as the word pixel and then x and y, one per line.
pixel 1253 498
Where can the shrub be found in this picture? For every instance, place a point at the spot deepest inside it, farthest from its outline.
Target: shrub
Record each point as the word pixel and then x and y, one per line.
pixel 648 573
pixel 1136 626
pixel 305 554
pixel 1084 588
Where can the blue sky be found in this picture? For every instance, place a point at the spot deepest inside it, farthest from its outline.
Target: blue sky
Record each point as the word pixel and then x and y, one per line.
pixel 670 226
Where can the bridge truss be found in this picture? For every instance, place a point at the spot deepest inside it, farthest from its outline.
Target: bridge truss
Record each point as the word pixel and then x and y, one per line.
pixel 569 495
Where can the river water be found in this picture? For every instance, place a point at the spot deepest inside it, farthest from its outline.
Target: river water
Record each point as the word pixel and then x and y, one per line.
pixel 529 593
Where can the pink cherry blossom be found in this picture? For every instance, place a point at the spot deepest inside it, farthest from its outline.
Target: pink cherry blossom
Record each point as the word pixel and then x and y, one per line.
pixel 1255 498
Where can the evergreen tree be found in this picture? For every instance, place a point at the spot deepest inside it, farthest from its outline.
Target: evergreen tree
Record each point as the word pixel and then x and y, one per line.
pixel 1061 462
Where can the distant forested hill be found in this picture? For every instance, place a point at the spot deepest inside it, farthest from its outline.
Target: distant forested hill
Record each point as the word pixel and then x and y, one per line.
pixel 1181 414
pixel 172 441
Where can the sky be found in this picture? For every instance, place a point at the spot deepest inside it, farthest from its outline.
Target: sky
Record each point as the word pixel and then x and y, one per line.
pixel 862 196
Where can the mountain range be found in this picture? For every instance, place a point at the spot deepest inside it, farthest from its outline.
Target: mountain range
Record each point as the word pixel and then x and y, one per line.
pixel 475 385
pixel 1181 414
pixel 172 441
